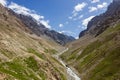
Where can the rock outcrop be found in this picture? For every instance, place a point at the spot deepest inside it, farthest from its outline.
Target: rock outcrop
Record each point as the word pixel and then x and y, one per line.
pixel 39 29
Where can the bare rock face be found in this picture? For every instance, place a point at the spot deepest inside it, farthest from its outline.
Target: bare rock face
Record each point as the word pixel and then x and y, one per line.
pixel 40 29
pixel 100 23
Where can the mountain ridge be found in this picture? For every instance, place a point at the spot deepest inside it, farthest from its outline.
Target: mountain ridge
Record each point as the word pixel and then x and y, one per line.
pixel 101 22
pixel 39 29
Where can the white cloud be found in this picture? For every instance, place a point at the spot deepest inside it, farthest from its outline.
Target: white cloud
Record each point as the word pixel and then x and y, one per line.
pixel 99 6
pixel 81 16
pixel 25 11
pixel 3 2
pixel 75 14
pixel 45 23
pixel 61 32
pixel 85 21
pixel 91 9
pixel 74 18
pixel 66 32
pixel 60 25
pixel 76 37
pixel 79 7
pixel 95 1
pixel 70 17
pixel 103 5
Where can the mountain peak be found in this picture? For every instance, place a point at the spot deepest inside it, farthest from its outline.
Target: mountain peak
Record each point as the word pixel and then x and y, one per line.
pixel 101 22
pixel 40 29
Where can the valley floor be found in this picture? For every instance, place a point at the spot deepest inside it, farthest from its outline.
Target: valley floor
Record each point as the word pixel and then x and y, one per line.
pixel 71 74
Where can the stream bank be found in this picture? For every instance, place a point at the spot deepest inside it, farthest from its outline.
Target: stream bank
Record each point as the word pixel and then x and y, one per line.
pixel 71 75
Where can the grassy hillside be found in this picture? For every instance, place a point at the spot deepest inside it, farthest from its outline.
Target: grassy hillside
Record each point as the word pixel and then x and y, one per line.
pixel 99 58
pixel 24 56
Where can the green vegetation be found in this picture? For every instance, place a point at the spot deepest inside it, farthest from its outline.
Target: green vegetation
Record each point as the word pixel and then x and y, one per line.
pixel 108 69
pixel 70 56
pixel 73 54
pixel 42 75
pixel 18 70
pixel 26 68
pixel 32 63
pixel 63 56
pixel 105 54
pixel 30 50
pixel 90 48
pixel 50 51
pixel 99 60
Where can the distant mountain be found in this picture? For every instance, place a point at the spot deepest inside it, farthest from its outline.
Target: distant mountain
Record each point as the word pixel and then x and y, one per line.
pixel 40 30
pixel 100 23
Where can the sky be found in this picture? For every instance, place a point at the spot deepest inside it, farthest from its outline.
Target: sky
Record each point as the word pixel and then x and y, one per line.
pixel 65 16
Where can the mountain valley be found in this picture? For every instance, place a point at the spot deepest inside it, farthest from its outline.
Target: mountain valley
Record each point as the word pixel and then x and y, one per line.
pixel 30 51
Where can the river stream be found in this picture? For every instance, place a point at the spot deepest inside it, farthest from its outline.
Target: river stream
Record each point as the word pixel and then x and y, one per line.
pixel 71 74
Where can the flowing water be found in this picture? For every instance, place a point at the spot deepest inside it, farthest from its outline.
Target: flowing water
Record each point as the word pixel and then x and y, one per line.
pixel 71 74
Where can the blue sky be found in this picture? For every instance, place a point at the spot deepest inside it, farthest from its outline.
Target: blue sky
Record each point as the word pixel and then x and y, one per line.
pixel 65 16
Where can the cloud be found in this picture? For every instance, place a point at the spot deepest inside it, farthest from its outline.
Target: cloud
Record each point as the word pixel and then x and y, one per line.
pixel 103 5
pixel 77 37
pixel 3 2
pixel 66 32
pixel 81 16
pixel 95 1
pixel 60 25
pixel 91 9
pixel 75 14
pixel 85 21
pixel 79 7
pixel 25 11
pixel 70 17
pixel 74 18
pixel 99 6
pixel 45 23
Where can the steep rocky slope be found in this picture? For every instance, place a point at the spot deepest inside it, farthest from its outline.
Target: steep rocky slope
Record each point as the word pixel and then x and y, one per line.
pixel 100 23
pixel 25 56
pixel 96 55
pixel 40 30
